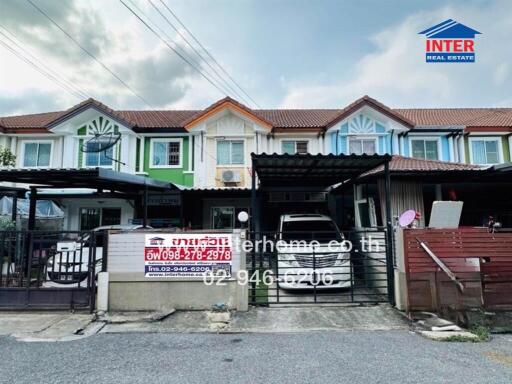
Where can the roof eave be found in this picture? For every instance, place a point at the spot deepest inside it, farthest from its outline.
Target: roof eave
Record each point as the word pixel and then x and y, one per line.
pixel 367 101
pixel 90 103
pixel 223 104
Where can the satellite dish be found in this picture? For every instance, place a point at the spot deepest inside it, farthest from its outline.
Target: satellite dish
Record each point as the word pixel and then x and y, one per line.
pixel 407 218
pixel 101 142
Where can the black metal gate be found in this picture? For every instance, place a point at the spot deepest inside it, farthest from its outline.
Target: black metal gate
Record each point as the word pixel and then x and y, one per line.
pixel 49 270
pixel 354 269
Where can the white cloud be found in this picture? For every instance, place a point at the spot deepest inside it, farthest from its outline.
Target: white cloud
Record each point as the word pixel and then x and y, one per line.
pixel 396 72
pixel 115 36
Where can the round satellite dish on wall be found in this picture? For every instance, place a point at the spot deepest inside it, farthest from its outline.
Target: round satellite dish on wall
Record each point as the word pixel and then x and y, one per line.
pixel 407 218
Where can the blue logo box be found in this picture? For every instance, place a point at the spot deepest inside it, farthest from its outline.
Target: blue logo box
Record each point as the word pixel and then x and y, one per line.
pixel 438 57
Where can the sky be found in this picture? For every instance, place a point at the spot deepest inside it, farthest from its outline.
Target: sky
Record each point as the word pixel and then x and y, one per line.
pixel 283 53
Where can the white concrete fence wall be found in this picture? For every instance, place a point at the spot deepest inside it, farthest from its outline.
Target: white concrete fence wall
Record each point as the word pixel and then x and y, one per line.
pixel 124 286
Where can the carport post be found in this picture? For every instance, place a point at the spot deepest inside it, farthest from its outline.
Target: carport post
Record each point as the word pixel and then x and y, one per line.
pixel 14 212
pixel 145 207
pixel 253 230
pixel 253 198
pixel 32 209
pixel 389 237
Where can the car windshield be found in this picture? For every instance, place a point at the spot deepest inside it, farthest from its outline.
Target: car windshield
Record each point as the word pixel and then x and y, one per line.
pixel 320 230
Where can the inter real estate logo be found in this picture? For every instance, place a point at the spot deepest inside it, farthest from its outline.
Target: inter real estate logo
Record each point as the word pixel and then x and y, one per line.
pixel 450 42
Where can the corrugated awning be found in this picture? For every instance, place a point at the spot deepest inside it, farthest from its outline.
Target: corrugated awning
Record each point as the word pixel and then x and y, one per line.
pixel 97 178
pixel 275 170
pixel 428 170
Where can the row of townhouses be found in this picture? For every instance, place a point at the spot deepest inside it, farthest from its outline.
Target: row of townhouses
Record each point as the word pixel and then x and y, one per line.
pixel 209 150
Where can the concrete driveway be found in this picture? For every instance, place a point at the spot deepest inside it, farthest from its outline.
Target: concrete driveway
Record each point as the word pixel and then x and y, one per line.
pixel 65 326
pixel 285 319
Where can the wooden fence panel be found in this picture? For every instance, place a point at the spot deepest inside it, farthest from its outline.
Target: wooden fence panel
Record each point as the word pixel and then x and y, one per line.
pixel 480 260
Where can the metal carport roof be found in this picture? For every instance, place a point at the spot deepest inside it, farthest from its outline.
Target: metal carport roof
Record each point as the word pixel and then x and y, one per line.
pixel 97 178
pixel 314 170
pixel 100 179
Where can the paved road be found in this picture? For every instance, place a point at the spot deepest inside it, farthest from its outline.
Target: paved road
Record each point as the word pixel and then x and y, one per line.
pixel 324 357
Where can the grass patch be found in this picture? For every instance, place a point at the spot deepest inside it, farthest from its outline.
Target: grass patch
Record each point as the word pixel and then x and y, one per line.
pixel 481 332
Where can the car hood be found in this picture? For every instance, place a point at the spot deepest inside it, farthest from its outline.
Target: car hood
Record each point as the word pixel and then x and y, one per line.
pixel 321 248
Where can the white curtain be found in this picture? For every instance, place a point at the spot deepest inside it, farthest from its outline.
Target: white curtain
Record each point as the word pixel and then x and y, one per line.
pixel 405 195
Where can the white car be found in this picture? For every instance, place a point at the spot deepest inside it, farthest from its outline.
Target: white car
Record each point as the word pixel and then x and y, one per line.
pixel 69 266
pixel 311 252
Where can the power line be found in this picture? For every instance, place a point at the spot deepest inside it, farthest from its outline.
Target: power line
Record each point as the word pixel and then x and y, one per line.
pixel 226 83
pixel 90 54
pixel 171 47
pixel 176 46
pixel 38 68
pixel 208 53
pixel 50 74
pixel 39 63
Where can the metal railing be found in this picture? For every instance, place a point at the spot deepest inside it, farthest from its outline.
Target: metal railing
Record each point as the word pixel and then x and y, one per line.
pixel 42 269
pixel 322 269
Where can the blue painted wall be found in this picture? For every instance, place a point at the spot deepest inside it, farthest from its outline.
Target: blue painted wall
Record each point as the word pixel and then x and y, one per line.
pixel 444 155
pixel 339 142
pixel 445 149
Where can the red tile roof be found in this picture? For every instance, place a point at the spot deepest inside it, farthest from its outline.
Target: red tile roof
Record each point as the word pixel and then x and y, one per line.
pixel 367 100
pixel 459 116
pixel 402 164
pixel 298 118
pixel 219 104
pixel 158 119
pixel 37 120
pixel 277 118
pixel 90 103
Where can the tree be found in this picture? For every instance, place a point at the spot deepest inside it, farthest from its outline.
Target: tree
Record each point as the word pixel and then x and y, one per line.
pixel 7 158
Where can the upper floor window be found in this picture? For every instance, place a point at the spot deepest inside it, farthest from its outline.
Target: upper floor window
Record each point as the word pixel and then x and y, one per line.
pixel 37 154
pixel 230 152
pixel 93 158
pixel 360 146
pixel 485 151
pixel 425 149
pixel 292 147
pixel 166 153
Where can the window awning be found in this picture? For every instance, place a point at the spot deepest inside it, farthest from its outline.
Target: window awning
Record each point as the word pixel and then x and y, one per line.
pixel 97 178
pixel 274 170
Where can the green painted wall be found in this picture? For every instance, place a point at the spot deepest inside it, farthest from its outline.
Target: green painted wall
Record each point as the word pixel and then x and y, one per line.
pixel 504 144
pixel 506 149
pixel 174 175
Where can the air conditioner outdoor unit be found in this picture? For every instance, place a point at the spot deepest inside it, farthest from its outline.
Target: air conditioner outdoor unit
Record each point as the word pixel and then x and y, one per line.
pixel 230 176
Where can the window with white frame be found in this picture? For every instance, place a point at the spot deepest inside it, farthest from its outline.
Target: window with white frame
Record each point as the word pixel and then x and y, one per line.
pixel 292 147
pixel 359 146
pixel 93 157
pixel 166 153
pixel 37 154
pixel 485 151
pixel 425 149
pixel 230 152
